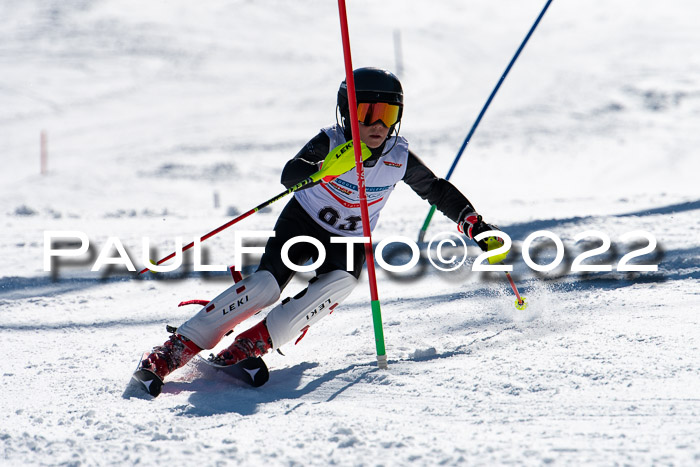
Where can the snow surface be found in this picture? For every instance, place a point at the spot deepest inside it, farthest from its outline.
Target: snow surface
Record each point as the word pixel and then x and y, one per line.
pixel 153 107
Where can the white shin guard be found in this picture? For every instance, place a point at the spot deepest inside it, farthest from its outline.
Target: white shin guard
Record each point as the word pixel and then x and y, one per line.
pixel 236 304
pixel 292 317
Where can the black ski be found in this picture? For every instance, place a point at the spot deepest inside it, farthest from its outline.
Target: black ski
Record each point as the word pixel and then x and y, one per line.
pixel 148 381
pixel 143 383
pixel 251 371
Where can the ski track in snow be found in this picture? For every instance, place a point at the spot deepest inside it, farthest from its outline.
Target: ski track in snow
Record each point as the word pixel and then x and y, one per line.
pixel 150 109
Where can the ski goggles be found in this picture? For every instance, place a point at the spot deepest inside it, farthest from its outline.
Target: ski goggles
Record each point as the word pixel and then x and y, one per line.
pixel 369 114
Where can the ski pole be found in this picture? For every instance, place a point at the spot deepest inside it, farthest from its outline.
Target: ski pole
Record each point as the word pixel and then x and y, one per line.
pixel 492 243
pixel 421 234
pixel 364 212
pixel 520 303
pixel 338 161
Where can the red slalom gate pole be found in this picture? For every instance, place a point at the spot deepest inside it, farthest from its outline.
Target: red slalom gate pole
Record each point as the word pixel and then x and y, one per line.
pixel 44 153
pixel 364 212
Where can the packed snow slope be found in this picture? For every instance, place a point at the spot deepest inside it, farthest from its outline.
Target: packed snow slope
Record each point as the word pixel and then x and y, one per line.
pixel 154 110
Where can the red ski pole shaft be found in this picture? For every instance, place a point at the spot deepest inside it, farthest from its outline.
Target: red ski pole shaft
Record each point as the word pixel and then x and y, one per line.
pixel 236 220
pixel 515 289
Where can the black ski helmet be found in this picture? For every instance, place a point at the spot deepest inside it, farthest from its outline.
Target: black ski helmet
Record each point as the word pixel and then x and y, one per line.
pixel 371 85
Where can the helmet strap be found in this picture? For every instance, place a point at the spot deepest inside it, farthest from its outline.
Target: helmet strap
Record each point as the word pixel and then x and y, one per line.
pixel 396 139
pixel 339 118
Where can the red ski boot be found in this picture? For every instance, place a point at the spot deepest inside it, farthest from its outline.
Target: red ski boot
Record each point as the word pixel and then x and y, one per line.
pixel 255 342
pixel 165 359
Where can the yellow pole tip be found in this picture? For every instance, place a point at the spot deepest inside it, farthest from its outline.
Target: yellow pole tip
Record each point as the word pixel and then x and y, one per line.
pixel 521 305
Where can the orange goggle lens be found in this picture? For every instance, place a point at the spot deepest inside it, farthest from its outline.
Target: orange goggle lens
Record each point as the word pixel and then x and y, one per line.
pixel 372 113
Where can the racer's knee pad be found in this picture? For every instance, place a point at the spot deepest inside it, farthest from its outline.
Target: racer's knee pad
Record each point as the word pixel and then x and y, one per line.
pixel 292 317
pixel 238 303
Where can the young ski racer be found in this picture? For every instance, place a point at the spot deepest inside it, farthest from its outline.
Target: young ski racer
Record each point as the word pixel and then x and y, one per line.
pixel 324 210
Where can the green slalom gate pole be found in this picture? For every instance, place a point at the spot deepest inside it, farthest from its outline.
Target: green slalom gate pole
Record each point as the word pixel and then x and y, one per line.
pixel 366 232
pixel 421 234
pixel 426 223
pixel 379 333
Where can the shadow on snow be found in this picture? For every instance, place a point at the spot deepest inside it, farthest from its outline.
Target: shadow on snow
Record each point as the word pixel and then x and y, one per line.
pixel 220 394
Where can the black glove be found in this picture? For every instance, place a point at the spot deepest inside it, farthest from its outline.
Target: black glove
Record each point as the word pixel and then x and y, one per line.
pixel 472 225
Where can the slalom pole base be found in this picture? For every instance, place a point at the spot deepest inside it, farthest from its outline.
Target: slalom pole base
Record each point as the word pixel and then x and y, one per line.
pixel 522 304
pixel 382 362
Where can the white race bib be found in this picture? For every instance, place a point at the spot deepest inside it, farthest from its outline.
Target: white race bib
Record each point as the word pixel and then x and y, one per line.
pixel 336 205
